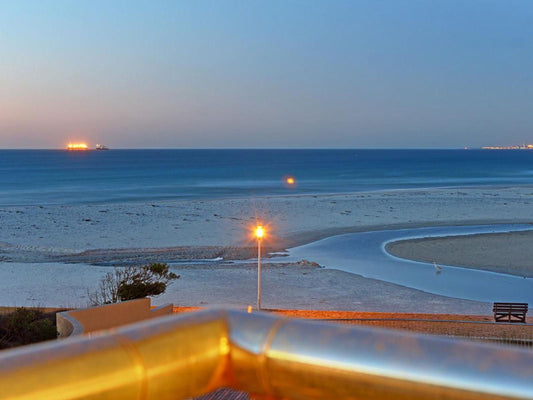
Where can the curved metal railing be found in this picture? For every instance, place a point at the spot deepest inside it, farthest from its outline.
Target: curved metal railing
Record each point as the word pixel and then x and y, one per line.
pixel 178 357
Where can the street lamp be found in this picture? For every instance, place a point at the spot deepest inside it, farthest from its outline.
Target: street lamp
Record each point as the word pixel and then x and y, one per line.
pixel 259 233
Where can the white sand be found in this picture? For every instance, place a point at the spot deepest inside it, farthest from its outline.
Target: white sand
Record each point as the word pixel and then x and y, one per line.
pixel 32 234
pixel 295 219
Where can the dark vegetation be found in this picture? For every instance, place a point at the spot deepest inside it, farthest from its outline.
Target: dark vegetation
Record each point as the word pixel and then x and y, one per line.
pixel 24 326
pixel 131 283
pixel 28 325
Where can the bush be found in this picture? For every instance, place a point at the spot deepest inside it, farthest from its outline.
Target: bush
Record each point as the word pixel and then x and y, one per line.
pixel 132 283
pixel 24 326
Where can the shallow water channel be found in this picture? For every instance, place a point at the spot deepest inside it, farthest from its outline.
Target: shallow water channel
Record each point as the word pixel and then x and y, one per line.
pixel 364 254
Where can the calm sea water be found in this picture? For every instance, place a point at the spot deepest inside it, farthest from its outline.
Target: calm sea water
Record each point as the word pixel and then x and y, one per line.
pixel 42 177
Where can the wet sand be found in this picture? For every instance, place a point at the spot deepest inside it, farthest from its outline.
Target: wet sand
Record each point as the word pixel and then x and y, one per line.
pixel 303 286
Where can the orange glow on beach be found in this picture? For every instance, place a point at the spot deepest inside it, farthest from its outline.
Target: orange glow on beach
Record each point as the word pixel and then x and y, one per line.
pixel 77 146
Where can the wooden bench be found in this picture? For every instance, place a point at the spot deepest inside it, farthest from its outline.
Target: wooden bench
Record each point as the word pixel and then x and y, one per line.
pixel 510 312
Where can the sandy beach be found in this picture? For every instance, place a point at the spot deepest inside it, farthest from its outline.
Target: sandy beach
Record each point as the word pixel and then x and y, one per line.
pixel 509 253
pixel 291 220
pixel 119 234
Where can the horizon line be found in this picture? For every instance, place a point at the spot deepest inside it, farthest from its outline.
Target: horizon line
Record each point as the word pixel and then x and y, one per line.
pixel 246 148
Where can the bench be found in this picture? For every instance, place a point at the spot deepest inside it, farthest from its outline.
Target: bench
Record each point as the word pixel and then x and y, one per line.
pixel 510 312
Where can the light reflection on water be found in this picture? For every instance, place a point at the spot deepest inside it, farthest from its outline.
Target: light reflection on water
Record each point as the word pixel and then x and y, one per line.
pixel 364 254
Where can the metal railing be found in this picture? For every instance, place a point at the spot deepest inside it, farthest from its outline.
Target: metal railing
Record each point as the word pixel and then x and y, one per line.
pixel 179 357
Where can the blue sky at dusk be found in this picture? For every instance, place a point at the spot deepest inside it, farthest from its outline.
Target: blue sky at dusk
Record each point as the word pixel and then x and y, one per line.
pixel 210 74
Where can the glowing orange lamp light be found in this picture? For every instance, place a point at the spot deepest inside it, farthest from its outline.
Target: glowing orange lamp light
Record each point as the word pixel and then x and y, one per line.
pixel 259 233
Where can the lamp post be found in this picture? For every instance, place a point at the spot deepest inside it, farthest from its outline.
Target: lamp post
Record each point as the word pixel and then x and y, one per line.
pixel 259 233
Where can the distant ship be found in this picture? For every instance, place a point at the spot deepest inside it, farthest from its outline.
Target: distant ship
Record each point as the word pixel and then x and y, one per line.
pixel 101 147
pixel 517 147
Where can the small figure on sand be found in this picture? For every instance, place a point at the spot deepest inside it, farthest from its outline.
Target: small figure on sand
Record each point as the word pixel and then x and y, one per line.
pixel 438 269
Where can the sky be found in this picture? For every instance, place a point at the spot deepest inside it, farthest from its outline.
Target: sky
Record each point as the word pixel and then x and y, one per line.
pixel 266 74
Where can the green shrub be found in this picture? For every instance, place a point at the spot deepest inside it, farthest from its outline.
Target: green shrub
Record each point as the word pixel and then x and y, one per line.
pixel 24 326
pixel 132 283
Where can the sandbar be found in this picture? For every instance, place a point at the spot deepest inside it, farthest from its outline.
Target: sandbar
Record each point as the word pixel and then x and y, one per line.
pixel 509 253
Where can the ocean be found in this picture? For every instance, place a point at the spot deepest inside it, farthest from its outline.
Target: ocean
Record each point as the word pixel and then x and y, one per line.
pixel 46 177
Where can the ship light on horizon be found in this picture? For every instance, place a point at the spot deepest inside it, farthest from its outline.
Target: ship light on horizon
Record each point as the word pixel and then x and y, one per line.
pixel 77 146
